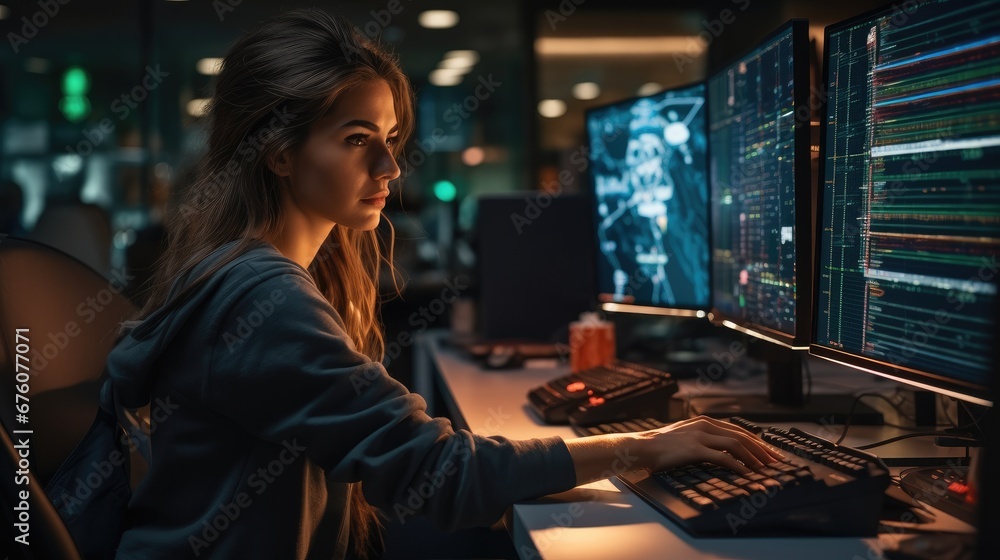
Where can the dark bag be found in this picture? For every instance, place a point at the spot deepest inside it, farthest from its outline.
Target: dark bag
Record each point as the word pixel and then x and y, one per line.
pixel 91 491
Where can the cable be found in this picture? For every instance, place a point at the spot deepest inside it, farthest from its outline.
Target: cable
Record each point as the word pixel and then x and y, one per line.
pixel 908 436
pixel 915 428
pixel 850 414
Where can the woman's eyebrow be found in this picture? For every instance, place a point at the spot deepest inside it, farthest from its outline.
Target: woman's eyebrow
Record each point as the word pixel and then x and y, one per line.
pixel 368 124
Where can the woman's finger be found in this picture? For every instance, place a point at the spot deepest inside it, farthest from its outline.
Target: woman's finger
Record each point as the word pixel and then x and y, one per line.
pixel 723 459
pixel 760 450
pixel 736 448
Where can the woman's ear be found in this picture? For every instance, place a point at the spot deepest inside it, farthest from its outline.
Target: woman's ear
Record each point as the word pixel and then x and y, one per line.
pixel 281 163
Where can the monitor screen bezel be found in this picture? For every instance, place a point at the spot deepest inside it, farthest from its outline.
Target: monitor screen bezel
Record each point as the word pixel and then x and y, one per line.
pixel 698 311
pixel 803 199
pixel 971 392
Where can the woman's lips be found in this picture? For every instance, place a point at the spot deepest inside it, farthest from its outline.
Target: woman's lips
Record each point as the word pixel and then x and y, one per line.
pixel 376 200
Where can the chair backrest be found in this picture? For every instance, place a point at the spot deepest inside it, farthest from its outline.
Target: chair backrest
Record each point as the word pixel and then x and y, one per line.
pixel 80 230
pixel 71 315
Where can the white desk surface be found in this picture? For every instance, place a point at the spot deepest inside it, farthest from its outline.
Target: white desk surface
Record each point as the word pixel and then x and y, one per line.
pixel 604 520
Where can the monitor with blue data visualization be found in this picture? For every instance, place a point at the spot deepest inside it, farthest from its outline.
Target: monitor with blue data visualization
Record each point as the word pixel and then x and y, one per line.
pixel 909 210
pixel 647 165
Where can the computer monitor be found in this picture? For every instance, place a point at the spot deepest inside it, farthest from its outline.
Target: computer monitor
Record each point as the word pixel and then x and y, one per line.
pixel 650 197
pixel 759 176
pixel 909 200
pixel 758 135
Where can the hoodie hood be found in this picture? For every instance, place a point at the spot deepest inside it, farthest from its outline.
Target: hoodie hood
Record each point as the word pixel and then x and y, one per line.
pixel 131 362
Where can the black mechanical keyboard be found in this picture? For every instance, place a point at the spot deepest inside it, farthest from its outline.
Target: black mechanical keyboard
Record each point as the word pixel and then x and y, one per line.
pixel 616 392
pixel 819 489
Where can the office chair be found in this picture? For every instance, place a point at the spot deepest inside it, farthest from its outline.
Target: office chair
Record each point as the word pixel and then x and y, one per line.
pixel 73 315
pixel 80 230
pixel 49 537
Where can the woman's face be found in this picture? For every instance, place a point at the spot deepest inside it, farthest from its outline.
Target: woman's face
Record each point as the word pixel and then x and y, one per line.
pixel 341 173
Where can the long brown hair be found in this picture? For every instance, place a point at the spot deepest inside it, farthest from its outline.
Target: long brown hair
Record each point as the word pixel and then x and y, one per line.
pixel 274 82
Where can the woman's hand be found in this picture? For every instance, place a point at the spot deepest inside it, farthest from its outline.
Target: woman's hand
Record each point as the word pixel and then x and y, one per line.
pixel 704 439
pixel 691 441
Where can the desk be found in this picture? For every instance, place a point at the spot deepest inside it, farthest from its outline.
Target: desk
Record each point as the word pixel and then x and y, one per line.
pixel 605 520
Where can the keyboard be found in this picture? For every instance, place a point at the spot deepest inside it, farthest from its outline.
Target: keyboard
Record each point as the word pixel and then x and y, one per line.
pixel 619 391
pixel 820 489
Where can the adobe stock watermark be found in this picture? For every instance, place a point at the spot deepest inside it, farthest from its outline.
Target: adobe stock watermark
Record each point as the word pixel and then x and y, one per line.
pixel 937 493
pixel 713 29
pixel 30 26
pixel 563 11
pixel 428 484
pixel 69 500
pixel 420 320
pixel 622 462
pixel 244 154
pixel 454 116
pixel 248 323
pixel 87 311
pixel 258 481
pixel 577 339
pixel 122 106
pixel 538 201
pixel 919 338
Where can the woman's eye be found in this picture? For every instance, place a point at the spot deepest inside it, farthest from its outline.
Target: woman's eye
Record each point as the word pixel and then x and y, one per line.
pixel 391 141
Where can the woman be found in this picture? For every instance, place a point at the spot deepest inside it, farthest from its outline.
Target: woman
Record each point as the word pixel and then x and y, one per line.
pixel 278 431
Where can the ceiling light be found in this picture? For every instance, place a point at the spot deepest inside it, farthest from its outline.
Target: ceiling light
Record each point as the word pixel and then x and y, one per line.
pixel 459 59
pixel 446 77
pixel 438 19
pixel 649 88
pixel 197 107
pixel 619 46
pixel 586 90
pixel 210 66
pixel 473 155
pixel 552 108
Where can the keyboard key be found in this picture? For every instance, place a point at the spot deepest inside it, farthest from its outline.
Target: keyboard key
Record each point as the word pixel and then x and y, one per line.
pixel 646 424
pixel 702 503
pixel 721 497
pixel 632 426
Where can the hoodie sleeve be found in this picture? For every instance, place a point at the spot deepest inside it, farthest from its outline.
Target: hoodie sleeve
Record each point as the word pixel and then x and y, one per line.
pixel 284 368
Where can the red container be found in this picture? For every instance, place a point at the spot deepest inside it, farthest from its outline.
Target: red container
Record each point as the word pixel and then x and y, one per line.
pixel 591 342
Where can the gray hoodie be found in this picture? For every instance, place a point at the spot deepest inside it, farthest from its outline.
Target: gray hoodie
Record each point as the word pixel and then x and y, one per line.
pixel 264 414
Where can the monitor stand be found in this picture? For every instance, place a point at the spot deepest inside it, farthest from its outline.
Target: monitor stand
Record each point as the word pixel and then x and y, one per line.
pixel 785 400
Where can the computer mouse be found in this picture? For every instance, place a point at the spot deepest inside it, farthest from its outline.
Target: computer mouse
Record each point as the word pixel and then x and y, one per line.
pixel 503 356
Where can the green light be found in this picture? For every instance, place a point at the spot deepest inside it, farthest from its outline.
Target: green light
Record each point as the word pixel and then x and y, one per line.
pixel 74 107
pixel 445 191
pixel 75 81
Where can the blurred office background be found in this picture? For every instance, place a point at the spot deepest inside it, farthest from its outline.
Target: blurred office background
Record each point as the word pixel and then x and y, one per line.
pixel 101 110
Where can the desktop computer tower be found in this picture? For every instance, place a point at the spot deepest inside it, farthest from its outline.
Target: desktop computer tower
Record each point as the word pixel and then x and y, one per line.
pixel 535 264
